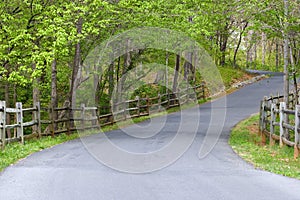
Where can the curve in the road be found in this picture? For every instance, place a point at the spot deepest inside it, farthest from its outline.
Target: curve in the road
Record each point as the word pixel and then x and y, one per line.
pixel 68 171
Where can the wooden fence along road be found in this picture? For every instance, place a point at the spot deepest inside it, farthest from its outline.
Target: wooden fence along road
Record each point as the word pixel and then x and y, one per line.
pixel 42 121
pixel 276 121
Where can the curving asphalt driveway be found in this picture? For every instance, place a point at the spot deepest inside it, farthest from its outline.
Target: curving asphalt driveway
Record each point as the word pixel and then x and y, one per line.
pixel 68 171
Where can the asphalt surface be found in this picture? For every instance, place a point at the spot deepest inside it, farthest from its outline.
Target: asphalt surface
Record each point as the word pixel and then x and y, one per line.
pixel 69 171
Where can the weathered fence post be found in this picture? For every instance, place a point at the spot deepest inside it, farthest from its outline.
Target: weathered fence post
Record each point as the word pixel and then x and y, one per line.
pixel 191 93
pixel 260 125
pixel 111 110
pixel 82 116
pixel 148 104
pixel 179 98
pixel 186 93
pixel 51 110
pixel 168 98
pixel 37 118
pixel 54 117
pixel 95 115
pixel 2 122
pixel 296 150
pixel 20 133
pixel 272 121
pixel 195 92
pixel 124 110
pixel 263 121
pixel 159 102
pixel 68 120
pixel 203 90
pixel 282 120
pixel 138 104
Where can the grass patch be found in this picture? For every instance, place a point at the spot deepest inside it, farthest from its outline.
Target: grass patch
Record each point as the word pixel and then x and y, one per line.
pixel 231 76
pixel 245 141
pixel 16 151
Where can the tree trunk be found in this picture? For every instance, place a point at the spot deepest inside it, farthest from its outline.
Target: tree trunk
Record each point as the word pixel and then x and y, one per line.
pixel 7 100
pixel 286 63
pixel 249 49
pixel 277 55
pixel 96 86
pixel 15 94
pixel 188 66
pixel 223 44
pixel 255 54
pixel 126 65
pixel 76 65
pixel 177 65
pixel 111 79
pixel 14 103
pixel 296 52
pixel 54 100
pixel 185 70
pixel 239 43
pixel 194 65
pixel 167 71
pixel 285 55
pixel 291 57
pixel 216 52
pixel 263 48
pixel 35 94
pixel 223 48
pixel 270 50
pixel 118 68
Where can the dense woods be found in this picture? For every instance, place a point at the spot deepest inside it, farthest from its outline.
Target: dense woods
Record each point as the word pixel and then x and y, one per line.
pixel 43 43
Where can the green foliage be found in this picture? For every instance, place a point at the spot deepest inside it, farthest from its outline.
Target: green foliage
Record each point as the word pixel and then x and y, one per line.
pixel 34 33
pixel 230 75
pixel 149 90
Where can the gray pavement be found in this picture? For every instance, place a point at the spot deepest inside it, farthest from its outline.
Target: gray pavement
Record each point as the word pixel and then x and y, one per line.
pixel 69 171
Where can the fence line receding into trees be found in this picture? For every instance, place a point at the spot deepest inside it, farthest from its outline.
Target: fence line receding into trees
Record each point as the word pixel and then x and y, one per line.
pixel 36 122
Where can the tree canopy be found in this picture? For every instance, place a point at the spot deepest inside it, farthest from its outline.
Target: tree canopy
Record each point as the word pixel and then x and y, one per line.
pixel 43 43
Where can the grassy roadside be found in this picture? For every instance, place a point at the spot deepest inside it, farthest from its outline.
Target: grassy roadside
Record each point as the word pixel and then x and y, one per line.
pixel 231 76
pixel 15 151
pixel 245 142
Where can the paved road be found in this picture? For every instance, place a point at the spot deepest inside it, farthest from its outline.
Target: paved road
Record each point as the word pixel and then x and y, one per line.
pixel 68 171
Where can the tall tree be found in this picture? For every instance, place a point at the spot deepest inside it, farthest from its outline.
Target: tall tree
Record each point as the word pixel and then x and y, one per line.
pixel 285 53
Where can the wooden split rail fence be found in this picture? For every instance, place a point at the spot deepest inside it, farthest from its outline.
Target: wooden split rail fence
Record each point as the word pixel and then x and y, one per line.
pixel 279 123
pixel 53 121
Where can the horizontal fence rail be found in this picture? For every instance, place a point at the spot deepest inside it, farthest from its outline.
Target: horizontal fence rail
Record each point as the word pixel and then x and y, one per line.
pixel 53 121
pixel 279 123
